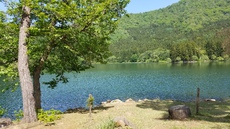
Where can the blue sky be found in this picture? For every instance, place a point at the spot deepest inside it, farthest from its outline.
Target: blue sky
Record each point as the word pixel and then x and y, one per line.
pixel 139 6
pixel 2 8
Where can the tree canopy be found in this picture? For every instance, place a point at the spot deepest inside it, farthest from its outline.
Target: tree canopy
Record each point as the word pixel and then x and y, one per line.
pixel 62 36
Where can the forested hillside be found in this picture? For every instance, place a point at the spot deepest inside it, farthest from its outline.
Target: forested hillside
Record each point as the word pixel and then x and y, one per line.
pixel 189 30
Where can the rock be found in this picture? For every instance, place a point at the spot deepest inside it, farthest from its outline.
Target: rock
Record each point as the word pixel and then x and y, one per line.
pixel 129 100
pixel 179 112
pixel 122 122
pixel 119 123
pixel 156 100
pixel 212 100
pixel 103 103
pixel 5 122
pixel 116 101
pixel 140 100
pixel 108 101
pixel 146 100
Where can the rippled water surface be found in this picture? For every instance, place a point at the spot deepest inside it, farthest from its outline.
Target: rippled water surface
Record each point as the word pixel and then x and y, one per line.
pixel 137 81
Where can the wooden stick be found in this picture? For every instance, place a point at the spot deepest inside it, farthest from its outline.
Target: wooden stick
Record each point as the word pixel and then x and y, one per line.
pixel 197 101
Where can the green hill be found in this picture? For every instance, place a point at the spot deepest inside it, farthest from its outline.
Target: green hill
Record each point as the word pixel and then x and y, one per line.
pixel 145 37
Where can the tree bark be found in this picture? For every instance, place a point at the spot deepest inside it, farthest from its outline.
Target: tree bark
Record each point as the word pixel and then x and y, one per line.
pixel 27 88
pixel 37 89
pixel 36 78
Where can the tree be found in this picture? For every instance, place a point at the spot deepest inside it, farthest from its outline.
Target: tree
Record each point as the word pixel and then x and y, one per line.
pixel 29 111
pixel 186 51
pixel 214 48
pixel 8 50
pixel 224 34
pixel 63 36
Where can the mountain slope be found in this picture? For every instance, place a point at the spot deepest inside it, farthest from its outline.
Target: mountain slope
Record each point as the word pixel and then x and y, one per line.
pixel 183 21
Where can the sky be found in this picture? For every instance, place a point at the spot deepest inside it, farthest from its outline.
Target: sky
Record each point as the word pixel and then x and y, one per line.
pixel 139 6
pixel 2 8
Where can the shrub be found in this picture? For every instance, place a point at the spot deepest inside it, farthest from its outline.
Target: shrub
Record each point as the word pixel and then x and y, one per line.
pixel 2 111
pixel 195 58
pixel 226 57
pixel 49 116
pixel 112 59
pixel 178 59
pixel 134 58
pixel 168 60
pixel 204 58
pixel 213 57
pixel 108 125
pixel 220 58
pixel 18 114
pixel 90 104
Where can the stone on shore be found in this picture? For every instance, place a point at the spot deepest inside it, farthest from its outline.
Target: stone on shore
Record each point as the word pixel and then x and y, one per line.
pixel 129 100
pixel 5 122
pixel 179 112
pixel 116 101
pixel 211 100
pixel 122 122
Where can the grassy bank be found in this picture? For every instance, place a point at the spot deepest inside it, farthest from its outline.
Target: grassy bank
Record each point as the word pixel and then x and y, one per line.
pixel 148 114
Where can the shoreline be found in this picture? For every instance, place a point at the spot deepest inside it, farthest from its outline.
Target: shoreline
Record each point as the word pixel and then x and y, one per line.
pixel 143 114
pixel 130 100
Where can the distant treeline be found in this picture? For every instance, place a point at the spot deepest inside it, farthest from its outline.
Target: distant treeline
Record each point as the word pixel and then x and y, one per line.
pixel 189 30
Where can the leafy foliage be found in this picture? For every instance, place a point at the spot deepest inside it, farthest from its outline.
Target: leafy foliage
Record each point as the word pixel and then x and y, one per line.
pixel 2 111
pixel 64 36
pixel 185 51
pixel 186 21
pixel 57 37
pixel 214 48
pixel 90 104
pixel 18 115
pixel 90 101
pixel 49 116
pixel 8 52
pixel 107 125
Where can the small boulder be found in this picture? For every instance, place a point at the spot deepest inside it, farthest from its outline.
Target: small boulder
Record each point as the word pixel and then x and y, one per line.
pixel 211 100
pixel 5 122
pixel 122 122
pixel 146 100
pixel 103 103
pixel 129 100
pixel 140 100
pixel 116 101
pixel 179 112
pixel 108 101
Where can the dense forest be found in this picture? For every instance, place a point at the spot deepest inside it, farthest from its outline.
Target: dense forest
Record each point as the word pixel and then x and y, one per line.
pixel 189 30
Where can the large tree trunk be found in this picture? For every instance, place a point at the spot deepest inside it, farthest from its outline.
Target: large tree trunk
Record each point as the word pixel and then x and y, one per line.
pixel 36 77
pixel 27 88
pixel 37 89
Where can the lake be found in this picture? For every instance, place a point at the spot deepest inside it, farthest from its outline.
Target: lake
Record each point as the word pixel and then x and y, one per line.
pixel 136 81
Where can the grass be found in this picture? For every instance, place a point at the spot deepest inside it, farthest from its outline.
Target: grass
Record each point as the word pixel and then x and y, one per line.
pixel 150 114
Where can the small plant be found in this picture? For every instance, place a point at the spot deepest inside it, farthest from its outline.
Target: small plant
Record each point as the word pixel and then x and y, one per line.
pixel 2 111
pixel 90 102
pixel 108 125
pixel 18 115
pixel 49 116
pixel 228 116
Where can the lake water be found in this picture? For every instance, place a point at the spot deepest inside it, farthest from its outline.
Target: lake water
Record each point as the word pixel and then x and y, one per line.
pixel 136 81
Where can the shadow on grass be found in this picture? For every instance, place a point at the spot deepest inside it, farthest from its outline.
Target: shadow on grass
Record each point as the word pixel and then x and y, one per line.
pixel 208 111
pixel 85 111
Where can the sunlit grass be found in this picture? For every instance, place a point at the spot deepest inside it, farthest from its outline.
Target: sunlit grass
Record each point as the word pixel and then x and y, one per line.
pixel 149 114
